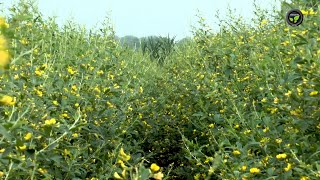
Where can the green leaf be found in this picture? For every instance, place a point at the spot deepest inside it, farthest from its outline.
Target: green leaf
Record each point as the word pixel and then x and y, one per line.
pixel 144 173
pixel 299 44
pixel 270 171
pixel 198 114
pixel 17 125
pixel 52 146
pixel 56 158
pixel 5 133
pixel 291 19
pixel 302 38
pixel 296 18
pixel 30 153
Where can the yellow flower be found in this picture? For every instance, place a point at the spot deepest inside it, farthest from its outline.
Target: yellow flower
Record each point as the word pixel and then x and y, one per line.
pixel 36 51
pixel 74 87
pixel 55 103
pixel 27 136
pixel 296 112
pixel 75 135
pixel 66 152
pixel 42 171
pixel 123 173
pixel 263 22
pixel 117 176
pixel 278 140
pixel 123 166
pixel 304 178
pixel 154 167
pixel 38 92
pixel 38 72
pixel 236 152
pixel 310 12
pixel 281 156
pixel 7 100
pixel 3 23
pixel 254 170
pixel 4 58
pixel 123 155
pixel 288 94
pixel 110 104
pixel 313 93
pixel 276 100
pixel 285 43
pixel 23 147
pixel 273 110
pixel 197 176
pixel 2 150
pixel 264 100
pixel 158 176
pixel 289 166
pixel 264 140
pixel 211 125
pixel 1 174
pixel 65 115
pixel 24 41
pixel 97 89
pixel 243 168
pixel 15 77
pixel 208 159
pixel 71 71
pixel 288 145
pixel 51 121
pixel 100 72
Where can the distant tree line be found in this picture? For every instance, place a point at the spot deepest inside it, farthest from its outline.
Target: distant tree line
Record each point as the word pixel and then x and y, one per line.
pixel 158 48
pixel 136 43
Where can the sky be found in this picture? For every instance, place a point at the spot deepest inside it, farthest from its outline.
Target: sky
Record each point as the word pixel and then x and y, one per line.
pixel 146 17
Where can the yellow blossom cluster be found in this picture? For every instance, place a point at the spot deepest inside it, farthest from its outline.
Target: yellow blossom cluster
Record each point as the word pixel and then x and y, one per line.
pixel 7 100
pixel 4 53
pixel 308 12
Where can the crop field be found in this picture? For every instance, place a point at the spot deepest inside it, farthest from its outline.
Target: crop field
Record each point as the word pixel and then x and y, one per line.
pixel 243 103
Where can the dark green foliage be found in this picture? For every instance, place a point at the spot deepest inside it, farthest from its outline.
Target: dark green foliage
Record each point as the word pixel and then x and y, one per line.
pixel 158 48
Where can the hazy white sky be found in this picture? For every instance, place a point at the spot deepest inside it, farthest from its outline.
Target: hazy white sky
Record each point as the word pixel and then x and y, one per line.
pixel 145 17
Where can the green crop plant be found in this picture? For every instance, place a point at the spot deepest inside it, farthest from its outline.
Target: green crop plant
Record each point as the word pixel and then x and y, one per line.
pixel 242 103
pixel 158 48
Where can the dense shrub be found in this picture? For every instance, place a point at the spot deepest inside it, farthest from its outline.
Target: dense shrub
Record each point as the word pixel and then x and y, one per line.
pixel 242 103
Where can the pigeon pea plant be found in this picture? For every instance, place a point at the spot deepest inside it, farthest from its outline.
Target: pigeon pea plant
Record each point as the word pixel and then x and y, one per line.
pixel 241 103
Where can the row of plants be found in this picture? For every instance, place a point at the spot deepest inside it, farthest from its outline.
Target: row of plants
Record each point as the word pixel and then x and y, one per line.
pixel 242 103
